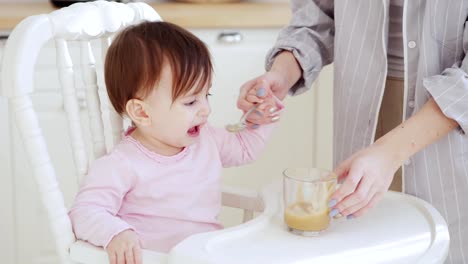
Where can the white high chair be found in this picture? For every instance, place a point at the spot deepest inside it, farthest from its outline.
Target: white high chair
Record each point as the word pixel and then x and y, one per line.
pixel 83 23
pixel 401 229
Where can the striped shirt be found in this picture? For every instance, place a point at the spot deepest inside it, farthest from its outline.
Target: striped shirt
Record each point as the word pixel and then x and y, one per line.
pixel 353 35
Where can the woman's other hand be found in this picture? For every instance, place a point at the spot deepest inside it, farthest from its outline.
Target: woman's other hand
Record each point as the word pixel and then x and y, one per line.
pixel 366 177
pixel 368 173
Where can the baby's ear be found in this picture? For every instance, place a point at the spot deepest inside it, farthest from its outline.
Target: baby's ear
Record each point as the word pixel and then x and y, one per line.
pixel 136 110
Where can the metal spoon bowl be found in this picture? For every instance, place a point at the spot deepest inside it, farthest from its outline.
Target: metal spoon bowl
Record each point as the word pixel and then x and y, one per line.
pixel 242 124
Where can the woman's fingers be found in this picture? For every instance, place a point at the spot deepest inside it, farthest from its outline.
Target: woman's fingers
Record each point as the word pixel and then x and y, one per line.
pixel 262 117
pixel 253 99
pixel 253 92
pixel 359 198
pixel 252 125
pixel 257 92
pixel 342 171
pixel 350 183
pixel 242 102
pixel 373 201
pixel 257 117
pixel 261 89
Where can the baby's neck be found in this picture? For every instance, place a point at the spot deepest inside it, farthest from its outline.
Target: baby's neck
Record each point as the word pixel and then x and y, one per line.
pixel 154 144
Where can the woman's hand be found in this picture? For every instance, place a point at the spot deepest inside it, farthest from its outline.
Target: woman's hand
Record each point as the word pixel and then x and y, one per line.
pixel 260 91
pixel 368 173
pixel 254 91
pixel 124 248
pixel 366 176
pixel 284 73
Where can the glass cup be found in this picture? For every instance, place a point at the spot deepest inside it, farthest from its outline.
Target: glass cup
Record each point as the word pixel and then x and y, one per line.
pixel 306 193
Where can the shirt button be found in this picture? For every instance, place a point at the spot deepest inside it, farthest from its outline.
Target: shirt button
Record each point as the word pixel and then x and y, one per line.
pixel 411 103
pixel 412 44
pixel 407 162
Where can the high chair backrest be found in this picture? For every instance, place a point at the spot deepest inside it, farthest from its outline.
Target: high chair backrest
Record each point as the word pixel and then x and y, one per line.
pixel 86 24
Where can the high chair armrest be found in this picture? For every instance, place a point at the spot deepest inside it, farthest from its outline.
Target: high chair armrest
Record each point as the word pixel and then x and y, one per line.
pixel 83 252
pixel 246 199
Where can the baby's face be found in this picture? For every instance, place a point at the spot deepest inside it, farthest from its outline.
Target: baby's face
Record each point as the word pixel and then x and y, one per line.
pixel 176 124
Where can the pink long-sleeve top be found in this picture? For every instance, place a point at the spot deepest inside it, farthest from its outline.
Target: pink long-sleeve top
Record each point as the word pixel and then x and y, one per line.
pixel 164 199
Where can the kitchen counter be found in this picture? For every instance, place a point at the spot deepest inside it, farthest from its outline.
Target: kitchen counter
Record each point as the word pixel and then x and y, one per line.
pixel 229 15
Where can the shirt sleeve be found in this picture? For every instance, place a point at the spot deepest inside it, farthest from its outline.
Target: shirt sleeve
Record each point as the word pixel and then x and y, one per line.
pixel 94 211
pixel 242 147
pixel 450 89
pixel 310 38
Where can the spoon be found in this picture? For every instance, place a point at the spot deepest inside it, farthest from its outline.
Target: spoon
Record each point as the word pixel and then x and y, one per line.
pixel 242 124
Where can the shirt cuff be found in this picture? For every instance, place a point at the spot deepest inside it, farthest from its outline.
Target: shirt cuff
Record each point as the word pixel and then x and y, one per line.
pixel 119 228
pixel 310 65
pixel 450 92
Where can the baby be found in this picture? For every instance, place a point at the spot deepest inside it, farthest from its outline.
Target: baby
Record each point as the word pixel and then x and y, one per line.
pixel 161 183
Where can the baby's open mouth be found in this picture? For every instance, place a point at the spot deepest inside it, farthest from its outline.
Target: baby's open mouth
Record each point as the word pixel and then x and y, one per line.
pixel 194 131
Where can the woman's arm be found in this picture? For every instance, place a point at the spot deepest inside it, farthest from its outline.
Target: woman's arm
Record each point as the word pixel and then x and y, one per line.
pixel 286 66
pixel 294 62
pixel 309 37
pixel 368 173
pixel 424 128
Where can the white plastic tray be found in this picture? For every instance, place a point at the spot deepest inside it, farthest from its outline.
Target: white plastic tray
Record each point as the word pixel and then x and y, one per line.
pixel 401 229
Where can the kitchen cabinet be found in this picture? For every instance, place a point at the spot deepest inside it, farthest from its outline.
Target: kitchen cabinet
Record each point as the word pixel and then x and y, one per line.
pixel 302 138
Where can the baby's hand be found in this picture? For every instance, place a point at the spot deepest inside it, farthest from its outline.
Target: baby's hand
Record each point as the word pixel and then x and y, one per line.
pixel 257 92
pixel 125 248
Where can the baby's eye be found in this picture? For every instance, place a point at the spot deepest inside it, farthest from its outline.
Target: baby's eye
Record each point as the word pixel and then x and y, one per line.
pixel 191 103
pixel 208 94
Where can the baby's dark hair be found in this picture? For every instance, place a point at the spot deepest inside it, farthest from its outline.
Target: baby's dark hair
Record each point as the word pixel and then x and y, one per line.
pixel 135 60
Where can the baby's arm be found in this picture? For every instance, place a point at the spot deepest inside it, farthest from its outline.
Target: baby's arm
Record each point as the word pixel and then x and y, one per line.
pixel 94 211
pixel 242 147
